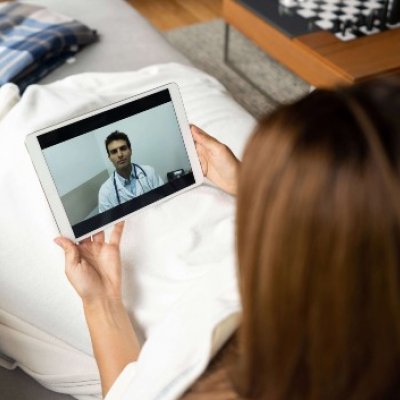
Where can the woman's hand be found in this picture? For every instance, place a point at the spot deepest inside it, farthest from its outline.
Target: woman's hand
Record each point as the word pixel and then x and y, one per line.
pixel 94 269
pixel 217 161
pixel 93 266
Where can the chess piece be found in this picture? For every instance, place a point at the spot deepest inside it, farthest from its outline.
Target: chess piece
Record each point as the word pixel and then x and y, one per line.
pixel 348 23
pixel 385 12
pixel 375 16
pixel 394 16
pixel 381 16
pixel 360 20
pixel 336 25
pixel 370 20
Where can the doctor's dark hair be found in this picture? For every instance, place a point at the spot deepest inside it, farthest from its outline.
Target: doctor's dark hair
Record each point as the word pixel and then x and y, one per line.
pixel 318 235
pixel 117 135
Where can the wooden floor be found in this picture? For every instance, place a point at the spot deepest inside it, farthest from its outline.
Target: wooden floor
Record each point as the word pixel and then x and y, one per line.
pixel 170 14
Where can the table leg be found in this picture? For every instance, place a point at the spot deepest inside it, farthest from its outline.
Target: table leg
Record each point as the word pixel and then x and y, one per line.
pixel 234 68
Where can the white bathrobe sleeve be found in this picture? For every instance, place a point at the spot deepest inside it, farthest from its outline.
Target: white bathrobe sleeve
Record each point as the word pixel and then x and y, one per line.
pixel 120 389
pixel 181 346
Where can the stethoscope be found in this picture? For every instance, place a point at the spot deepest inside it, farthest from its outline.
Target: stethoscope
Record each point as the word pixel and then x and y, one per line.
pixel 135 176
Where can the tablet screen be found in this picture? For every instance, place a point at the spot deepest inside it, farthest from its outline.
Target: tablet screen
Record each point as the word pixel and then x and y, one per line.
pixel 118 161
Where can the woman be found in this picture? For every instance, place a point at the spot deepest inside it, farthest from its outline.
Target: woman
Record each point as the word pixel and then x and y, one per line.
pixel 318 237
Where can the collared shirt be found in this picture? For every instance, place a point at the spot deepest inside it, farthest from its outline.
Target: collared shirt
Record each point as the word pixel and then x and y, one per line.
pixel 143 179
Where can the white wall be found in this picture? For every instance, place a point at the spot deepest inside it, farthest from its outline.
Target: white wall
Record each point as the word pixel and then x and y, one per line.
pixel 74 162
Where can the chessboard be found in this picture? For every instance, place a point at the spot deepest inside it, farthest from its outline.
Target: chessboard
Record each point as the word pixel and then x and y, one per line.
pixel 346 19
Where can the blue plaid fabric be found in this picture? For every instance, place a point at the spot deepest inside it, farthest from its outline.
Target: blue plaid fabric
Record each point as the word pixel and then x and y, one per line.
pixel 35 40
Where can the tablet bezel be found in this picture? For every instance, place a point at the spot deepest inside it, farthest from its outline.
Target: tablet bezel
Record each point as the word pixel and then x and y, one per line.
pixel 48 185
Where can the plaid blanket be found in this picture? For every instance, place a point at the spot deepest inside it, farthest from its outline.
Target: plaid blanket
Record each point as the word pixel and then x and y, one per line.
pixel 35 40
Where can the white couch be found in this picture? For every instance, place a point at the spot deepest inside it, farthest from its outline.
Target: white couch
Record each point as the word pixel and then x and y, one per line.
pixel 127 40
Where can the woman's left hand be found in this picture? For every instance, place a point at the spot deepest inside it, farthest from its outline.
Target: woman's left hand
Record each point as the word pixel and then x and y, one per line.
pixel 93 266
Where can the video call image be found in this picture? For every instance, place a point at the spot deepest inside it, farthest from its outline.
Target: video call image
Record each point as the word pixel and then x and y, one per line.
pixel 141 156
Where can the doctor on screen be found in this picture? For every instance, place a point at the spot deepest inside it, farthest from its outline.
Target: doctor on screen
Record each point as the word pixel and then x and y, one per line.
pixel 129 180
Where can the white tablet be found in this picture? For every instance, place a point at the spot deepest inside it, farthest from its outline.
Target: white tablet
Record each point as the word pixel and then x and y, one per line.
pixel 102 166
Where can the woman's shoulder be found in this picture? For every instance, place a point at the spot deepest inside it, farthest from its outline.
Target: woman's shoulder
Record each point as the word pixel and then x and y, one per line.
pixel 215 383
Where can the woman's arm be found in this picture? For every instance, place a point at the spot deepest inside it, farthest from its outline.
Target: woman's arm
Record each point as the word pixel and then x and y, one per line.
pixel 114 341
pixel 94 269
pixel 218 163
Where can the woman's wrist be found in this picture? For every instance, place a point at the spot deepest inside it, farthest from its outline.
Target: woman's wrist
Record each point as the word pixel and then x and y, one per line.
pixel 107 312
pixel 114 340
pixel 102 305
pixel 231 186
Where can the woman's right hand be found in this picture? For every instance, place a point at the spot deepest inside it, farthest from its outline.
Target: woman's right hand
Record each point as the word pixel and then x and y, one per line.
pixel 93 266
pixel 217 161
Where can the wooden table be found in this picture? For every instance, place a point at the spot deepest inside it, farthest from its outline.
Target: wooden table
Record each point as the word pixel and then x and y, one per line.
pixel 319 57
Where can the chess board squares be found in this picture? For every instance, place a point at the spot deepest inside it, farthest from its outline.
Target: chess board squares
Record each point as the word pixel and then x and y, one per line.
pixel 367 11
pixel 289 3
pixel 346 17
pixel 329 7
pixel 324 24
pixel 307 13
pixel 309 5
pixel 327 15
pixel 350 10
pixel 308 8
pixel 353 3
pixel 313 8
pixel 333 9
pixel 372 4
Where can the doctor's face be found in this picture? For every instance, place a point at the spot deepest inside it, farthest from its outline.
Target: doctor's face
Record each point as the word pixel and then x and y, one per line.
pixel 119 154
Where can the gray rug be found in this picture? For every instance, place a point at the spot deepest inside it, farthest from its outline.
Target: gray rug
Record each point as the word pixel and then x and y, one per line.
pixel 203 44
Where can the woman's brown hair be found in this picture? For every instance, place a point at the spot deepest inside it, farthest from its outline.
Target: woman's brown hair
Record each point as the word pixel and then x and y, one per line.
pixel 319 248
